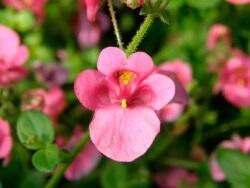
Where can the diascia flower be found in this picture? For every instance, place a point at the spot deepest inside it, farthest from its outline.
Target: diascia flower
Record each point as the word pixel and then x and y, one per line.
pixel 124 92
pixel 217 33
pixel 236 143
pixel 175 177
pixel 36 6
pixel 51 102
pixel 235 80
pixel 239 2
pixel 91 6
pixel 183 72
pixel 5 141
pixel 86 160
pixel 12 56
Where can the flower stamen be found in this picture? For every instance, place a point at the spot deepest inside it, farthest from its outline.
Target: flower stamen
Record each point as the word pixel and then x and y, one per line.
pixel 124 103
pixel 126 76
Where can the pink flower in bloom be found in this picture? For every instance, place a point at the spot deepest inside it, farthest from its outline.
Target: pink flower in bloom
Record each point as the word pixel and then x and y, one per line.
pixel 86 160
pixel 91 6
pixel 239 2
pixel 89 33
pixel 216 33
pixel 51 102
pixel 5 141
pixel 134 3
pixel 174 178
pixel 124 92
pixel 237 143
pixel 183 72
pixel 12 56
pixel 235 80
pixel 36 6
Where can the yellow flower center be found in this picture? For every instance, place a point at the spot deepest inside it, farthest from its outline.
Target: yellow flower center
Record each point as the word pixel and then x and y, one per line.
pixel 124 103
pixel 241 82
pixel 126 76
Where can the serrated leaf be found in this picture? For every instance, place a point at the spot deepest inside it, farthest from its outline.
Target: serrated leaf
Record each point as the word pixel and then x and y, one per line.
pixel 34 129
pixel 236 167
pixel 46 159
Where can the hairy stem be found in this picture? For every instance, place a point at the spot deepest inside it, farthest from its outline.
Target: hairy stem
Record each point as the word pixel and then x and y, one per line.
pixel 115 25
pixel 59 172
pixel 139 35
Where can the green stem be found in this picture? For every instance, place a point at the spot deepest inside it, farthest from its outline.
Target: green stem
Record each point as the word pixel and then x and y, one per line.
pixel 139 35
pixel 59 172
pixel 115 25
pixel 191 165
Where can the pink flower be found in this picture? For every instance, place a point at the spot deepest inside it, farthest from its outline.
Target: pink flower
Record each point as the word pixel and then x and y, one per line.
pixel 91 6
pixel 86 160
pixel 124 92
pixel 238 2
pixel 236 143
pixel 174 177
pixel 235 80
pixel 134 3
pixel 216 33
pixel 36 6
pixel 89 33
pixel 183 72
pixel 51 102
pixel 12 56
pixel 5 141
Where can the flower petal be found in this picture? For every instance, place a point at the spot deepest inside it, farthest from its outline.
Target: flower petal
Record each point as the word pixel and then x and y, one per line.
pixel 181 95
pixel 110 60
pixel 163 89
pixel 124 134
pixel 140 63
pixel 84 163
pixel 91 89
pixel 9 41
pixel 21 56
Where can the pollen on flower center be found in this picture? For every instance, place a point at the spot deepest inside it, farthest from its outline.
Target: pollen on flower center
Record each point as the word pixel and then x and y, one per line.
pixel 124 103
pixel 241 82
pixel 126 76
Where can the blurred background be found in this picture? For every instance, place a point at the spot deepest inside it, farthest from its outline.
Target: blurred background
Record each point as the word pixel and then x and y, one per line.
pixel 205 43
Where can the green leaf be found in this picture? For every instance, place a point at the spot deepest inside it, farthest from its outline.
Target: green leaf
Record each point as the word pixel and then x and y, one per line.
pixel 203 4
pixel 35 129
pixel 236 167
pixel 114 175
pixel 24 21
pixel 33 179
pixel 46 159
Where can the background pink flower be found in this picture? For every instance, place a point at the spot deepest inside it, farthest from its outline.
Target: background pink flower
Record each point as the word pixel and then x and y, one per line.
pixel 235 80
pixel 237 143
pixel 173 178
pixel 217 33
pixel 12 56
pixel 91 7
pixel 239 2
pixel 124 92
pixel 183 72
pixel 89 33
pixel 5 140
pixel 86 160
pixel 36 6
pixel 134 3
pixel 51 102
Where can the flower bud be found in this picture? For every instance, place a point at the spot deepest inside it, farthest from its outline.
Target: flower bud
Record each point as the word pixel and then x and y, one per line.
pixel 134 3
pixel 157 8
